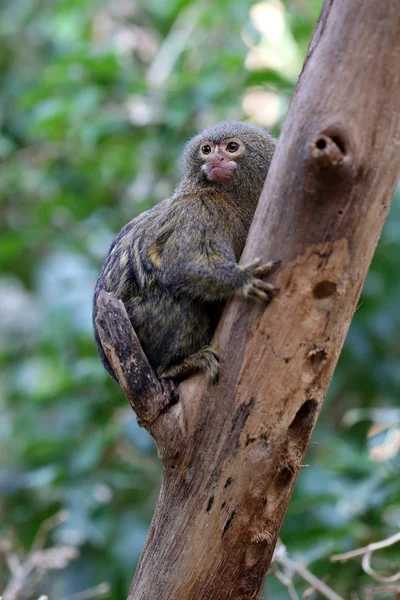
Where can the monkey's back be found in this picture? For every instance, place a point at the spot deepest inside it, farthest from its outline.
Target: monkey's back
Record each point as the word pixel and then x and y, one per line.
pixel 170 326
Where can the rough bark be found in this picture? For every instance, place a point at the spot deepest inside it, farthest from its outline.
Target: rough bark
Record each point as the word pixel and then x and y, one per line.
pixel 231 452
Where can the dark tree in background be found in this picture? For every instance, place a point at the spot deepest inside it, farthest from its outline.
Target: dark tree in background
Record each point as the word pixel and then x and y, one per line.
pixel 89 136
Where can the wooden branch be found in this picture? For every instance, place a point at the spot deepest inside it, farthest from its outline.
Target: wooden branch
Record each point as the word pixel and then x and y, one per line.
pixel 145 393
pixel 231 452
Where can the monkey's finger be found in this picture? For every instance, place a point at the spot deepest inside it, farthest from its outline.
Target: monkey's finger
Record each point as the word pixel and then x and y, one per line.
pixel 267 268
pixel 257 294
pixel 265 286
pixel 211 353
pixel 251 266
pixel 212 368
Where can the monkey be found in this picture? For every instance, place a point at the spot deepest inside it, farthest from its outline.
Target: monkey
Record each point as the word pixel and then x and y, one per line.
pixel 176 264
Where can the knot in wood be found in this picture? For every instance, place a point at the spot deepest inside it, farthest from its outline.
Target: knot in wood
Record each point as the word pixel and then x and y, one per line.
pixel 328 152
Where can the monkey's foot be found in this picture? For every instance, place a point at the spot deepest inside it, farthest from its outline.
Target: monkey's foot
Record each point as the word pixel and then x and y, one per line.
pixel 256 288
pixel 205 359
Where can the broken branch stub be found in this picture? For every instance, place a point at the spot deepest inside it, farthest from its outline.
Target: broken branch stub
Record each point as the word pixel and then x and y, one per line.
pixel 147 395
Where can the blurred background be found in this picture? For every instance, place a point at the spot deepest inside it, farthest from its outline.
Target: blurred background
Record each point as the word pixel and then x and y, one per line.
pixel 97 98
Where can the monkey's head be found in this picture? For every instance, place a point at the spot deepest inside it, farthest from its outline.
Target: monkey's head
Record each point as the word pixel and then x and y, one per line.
pixel 230 156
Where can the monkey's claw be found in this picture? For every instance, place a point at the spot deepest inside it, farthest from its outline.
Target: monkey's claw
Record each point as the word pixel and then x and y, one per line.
pixel 258 289
pixel 257 268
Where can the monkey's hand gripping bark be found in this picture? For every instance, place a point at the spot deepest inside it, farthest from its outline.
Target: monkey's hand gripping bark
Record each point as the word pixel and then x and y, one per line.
pixel 257 288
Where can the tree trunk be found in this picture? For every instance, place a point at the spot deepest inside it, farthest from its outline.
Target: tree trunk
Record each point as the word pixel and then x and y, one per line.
pixel 231 452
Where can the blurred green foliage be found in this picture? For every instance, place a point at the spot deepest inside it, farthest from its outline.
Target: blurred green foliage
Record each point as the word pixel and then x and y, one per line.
pixel 96 100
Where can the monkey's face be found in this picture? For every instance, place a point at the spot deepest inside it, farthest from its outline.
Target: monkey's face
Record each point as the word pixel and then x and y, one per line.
pixel 230 155
pixel 219 159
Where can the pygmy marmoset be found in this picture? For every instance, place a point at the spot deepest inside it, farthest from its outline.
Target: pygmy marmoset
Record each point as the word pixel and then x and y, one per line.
pixel 175 264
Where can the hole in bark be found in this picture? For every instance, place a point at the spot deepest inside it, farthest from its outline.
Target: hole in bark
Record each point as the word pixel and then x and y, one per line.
pixel 317 356
pixel 340 212
pixel 321 144
pixel 257 548
pixel 239 420
pixel 284 477
pixel 229 522
pixel 210 504
pixel 339 143
pixel 228 482
pixel 249 439
pixel 304 417
pixel 324 289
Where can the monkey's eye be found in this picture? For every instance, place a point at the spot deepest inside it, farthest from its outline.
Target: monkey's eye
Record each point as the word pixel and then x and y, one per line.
pixel 233 147
pixel 206 149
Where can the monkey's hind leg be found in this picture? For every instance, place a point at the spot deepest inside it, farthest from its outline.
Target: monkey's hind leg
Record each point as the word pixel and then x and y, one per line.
pixel 205 359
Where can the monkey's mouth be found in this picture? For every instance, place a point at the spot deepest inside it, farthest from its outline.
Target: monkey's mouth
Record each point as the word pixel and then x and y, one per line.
pixel 219 171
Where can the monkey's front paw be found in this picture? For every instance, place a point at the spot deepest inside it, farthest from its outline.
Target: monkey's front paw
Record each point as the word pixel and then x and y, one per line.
pixel 256 288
